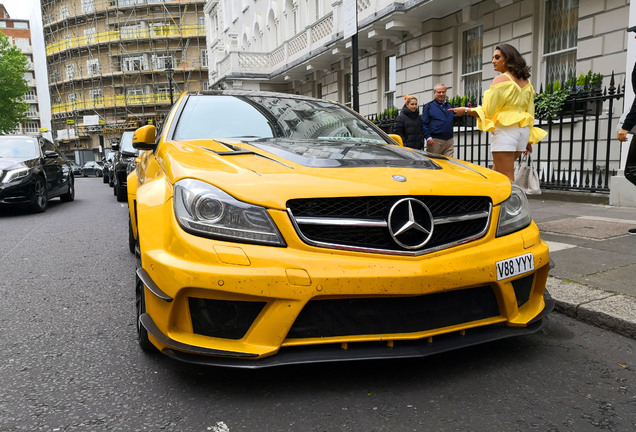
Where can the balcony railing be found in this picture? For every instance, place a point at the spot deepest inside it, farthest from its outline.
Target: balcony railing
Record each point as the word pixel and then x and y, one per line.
pixel 580 152
pixel 240 61
pixel 111 102
pixel 128 34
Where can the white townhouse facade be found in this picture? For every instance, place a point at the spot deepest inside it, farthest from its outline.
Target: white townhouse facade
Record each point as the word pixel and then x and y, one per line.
pixel 408 46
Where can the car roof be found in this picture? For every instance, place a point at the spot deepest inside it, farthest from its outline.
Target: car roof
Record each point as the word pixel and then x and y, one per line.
pixel 255 93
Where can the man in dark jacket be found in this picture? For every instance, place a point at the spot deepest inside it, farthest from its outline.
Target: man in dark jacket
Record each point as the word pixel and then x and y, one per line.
pixel 437 122
pixel 408 124
pixel 628 124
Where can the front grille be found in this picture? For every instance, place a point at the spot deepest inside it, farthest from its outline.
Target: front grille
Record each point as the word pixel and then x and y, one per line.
pixel 388 315
pixel 362 223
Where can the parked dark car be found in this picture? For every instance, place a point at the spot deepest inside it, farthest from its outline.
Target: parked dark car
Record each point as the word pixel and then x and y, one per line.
pixel 32 171
pixel 107 163
pixel 123 164
pixel 91 168
pixel 77 170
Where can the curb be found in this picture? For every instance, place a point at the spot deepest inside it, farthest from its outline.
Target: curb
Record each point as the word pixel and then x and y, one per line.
pixel 604 309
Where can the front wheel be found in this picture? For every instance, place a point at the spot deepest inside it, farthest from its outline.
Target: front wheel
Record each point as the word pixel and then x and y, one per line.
pixel 140 306
pixel 70 194
pixel 121 193
pixel 40 198
pixel 131 237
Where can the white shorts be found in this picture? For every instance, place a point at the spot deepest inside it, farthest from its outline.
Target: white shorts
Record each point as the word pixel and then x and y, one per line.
pixel 510 139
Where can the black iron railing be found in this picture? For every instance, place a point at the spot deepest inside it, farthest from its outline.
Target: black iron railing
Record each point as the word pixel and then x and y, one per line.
pixel 580 152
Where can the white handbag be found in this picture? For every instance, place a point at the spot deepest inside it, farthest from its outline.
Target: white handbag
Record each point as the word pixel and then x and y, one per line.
pixel 526 175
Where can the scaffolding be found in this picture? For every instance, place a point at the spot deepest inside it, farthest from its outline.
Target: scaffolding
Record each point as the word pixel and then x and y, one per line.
pixel 110 60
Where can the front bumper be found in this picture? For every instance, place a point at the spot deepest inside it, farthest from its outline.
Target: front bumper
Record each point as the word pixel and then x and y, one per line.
pixel 18 192
pixel 196 289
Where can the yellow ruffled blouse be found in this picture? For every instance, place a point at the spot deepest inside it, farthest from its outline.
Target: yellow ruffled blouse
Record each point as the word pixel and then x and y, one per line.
pixel 507 104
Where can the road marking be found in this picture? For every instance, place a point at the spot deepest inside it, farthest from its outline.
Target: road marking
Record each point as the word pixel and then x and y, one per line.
pixel 604 219
pixel 556 246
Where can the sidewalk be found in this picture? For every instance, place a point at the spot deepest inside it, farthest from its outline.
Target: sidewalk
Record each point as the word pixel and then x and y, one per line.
pixel 594 277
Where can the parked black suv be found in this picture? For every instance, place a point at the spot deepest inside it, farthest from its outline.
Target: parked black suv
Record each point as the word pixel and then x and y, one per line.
pixel 32 171
pixel 123 162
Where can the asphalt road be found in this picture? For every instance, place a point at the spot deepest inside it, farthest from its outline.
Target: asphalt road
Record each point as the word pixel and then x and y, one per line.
pixel 69 359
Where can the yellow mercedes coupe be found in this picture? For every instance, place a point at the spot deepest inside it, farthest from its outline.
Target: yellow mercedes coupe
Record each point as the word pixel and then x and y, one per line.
pixel 275 229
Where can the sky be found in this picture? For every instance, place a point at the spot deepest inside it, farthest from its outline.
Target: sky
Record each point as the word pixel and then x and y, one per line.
pixel 20 9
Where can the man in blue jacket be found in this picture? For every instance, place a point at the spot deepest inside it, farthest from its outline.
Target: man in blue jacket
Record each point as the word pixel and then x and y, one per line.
pixel 437 123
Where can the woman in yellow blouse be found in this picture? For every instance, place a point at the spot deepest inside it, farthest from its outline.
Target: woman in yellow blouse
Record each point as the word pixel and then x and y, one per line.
pixel 507 110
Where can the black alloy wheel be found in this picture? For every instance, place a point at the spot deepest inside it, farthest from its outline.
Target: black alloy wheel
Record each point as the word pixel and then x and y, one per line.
pixel 70 194
pixel 131 238
pixel 140 306
pixel 40 198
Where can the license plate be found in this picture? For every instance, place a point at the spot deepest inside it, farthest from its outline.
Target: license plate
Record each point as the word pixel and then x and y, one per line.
pixel 514 266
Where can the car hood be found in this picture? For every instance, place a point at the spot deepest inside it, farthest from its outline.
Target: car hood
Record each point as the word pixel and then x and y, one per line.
pixel 10 163
pixel 270 172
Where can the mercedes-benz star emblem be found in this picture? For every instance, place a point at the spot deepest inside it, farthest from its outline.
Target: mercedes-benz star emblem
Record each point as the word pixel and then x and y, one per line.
pixel 410 223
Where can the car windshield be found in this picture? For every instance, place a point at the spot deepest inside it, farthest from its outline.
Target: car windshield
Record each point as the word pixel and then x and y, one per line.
pixel 19 147
pixel 261 117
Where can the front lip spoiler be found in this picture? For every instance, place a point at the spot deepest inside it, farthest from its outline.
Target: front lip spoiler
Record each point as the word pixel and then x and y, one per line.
pixel 355 352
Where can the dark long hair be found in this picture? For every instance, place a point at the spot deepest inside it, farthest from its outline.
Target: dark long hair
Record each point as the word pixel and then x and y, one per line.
pixel 515 63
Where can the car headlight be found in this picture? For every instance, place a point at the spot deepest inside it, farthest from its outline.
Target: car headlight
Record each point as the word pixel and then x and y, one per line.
pixel 515 212
pixel 15 174
pixel 204 210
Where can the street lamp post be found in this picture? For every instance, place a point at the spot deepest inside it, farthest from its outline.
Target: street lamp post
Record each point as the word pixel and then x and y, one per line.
pixel 170 71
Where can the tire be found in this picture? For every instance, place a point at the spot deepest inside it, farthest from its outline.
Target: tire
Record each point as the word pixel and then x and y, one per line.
pixel 122 194
pixel 40 199
pixel 131 237
pixel 140 306
pixel 98 173
pixel 105 178
pixel 111 183
pixel 70 194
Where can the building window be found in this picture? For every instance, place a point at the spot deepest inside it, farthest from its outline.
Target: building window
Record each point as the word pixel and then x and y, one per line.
pixel 204 58
pixel 162 61
pixel 21 25
pixel 205 86
pixel 31 127
pixel 347 90
pixel 92 66
pixel 29 96
pixel 136 63
pixel 3 24
pixel 390 81
pixel 23 43
pixel 64 13
pixel 32 112
pixel 70 71
pixel 89 35
pixel 472 50
pixel 88 6
pixel 561 30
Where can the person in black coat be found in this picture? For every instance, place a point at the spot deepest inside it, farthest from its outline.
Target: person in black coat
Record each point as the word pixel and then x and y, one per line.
pixel 408 124
pixel 628 124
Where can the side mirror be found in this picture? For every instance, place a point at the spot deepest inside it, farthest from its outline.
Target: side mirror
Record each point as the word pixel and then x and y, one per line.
pixel 50 154
pixel 114 147
pixel 144 138
pixel 397 139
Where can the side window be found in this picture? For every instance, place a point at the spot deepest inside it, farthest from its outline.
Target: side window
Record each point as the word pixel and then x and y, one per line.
pixel 559 48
